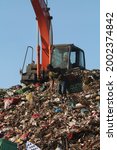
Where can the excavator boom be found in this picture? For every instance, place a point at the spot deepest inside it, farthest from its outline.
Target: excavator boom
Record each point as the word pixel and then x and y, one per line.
pixel 44 24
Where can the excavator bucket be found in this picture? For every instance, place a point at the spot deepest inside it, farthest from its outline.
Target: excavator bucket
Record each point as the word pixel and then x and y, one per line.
pixel 44 24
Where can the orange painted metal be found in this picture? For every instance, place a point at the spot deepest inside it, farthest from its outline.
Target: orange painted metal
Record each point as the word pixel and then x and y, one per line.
pixel 44 22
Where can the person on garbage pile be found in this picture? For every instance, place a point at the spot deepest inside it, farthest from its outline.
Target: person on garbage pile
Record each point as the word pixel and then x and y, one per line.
pixel 52 75
pixel 62 82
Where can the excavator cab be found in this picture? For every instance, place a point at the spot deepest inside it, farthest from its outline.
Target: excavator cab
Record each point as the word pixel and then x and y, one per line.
pixel 67 56
pixel 71 60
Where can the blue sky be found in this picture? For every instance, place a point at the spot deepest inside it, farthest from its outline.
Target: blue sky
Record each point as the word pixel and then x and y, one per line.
pixel 74 21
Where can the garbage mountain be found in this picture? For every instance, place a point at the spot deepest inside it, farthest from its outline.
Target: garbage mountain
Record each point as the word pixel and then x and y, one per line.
pixel 50 121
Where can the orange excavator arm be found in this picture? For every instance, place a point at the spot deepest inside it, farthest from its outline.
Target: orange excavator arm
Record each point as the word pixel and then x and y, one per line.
pixel 44 24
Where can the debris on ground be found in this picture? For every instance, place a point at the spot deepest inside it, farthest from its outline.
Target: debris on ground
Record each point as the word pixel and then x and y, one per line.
pixel 50 121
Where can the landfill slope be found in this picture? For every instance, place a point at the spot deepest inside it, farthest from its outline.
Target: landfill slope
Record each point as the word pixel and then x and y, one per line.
pixel 35 113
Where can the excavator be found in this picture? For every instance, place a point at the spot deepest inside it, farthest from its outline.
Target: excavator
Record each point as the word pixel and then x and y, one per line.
pixel 50 53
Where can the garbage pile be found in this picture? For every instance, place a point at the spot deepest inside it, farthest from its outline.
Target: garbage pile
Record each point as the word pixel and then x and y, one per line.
pixel 52 122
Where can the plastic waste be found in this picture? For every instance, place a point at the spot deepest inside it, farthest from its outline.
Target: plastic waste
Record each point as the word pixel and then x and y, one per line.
pixel 57 110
